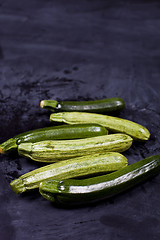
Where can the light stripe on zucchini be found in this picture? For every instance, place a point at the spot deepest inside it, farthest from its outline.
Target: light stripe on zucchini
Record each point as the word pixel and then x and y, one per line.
pixel 113 124
pixel 77 167
pixel 53 151
pixel 71 191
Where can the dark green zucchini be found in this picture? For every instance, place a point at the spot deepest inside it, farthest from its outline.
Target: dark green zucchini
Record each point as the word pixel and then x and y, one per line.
pixel 61 132
pixel 107 105
pixel 74 191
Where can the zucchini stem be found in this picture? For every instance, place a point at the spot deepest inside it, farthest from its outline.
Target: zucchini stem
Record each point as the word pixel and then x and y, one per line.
pixel 48 104
pixel 57 117
pixel 1 150
pixel 10 144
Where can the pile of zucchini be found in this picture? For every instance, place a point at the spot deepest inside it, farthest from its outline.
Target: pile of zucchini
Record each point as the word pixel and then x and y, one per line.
pixel 83 155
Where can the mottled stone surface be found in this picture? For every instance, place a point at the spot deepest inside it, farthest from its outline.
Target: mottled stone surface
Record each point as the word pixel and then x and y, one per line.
pixel 79 50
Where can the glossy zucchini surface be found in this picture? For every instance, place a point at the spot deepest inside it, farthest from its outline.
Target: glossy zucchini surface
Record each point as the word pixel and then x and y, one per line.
pixel 73 191
pixel 60 132
pixel 107 105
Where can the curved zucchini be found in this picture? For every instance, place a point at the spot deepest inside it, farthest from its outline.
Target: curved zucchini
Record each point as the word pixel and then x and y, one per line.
pixel 113 124
pixel 53 151
pixel 93 189
pixel 107 105
pixel 77 167
pixel 54 133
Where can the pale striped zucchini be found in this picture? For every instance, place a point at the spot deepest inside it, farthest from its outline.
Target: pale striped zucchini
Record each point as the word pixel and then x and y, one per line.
pixel 93 164
pixel 53 151
pixel 113 124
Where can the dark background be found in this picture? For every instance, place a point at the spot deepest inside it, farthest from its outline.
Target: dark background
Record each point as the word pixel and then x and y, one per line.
pixel 79 50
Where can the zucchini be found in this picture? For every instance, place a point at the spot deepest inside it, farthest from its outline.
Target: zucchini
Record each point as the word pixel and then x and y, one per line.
pixel 73 191
pixel 82 166
pixel 53 151
pixel 107 105
pixel 113 124
pixel 55 132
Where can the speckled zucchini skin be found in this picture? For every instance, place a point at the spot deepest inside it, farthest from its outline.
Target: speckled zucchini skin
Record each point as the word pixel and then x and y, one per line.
pixel 77 167
pixel 113 124
pixel 53 151
pixel 73 192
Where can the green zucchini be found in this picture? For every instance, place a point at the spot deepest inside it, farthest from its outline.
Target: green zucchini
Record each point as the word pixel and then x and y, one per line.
pixel 73 191
pixel 113 124
pixel 54 132
pixel 107 105
pixel 77 167
pixel 53 151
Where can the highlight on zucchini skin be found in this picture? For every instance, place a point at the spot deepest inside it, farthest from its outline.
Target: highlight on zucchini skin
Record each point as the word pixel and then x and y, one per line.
pixel 53 151
pixel 113 124
pixel 107 105
pixel 82 191
pixel 93 164
pixel 65 131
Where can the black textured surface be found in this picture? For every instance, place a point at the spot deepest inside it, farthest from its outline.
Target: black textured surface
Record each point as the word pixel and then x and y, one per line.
pixel 79 50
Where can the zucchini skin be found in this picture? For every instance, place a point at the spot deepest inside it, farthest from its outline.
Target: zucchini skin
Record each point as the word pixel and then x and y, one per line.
pixel 54 133
pixel 82 166
pixel 113 124
pixel 107 105
pixel 53 151
pixel 77 192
